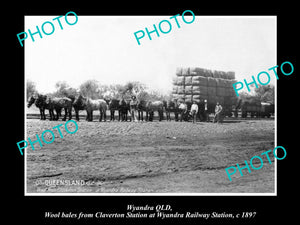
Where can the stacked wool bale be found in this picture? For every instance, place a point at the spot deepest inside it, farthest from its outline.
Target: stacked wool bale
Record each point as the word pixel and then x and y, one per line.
pixel 195 84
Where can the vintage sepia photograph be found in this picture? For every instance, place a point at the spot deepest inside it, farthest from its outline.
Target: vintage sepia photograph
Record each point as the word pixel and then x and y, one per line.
pixel 150 105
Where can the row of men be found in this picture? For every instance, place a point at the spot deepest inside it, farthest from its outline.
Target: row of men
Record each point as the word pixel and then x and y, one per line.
pixel 184 112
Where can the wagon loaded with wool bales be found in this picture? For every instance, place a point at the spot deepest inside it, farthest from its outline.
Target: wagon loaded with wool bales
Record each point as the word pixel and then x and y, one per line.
pixel 197 84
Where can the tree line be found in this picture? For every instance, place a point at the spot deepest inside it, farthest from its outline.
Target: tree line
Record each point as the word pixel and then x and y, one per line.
pixel 95 90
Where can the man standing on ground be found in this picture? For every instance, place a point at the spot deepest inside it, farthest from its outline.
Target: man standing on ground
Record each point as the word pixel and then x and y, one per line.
pixel 133 109
pixel 182 109
pixel 218 111
pixel 206 114
pixel 194 111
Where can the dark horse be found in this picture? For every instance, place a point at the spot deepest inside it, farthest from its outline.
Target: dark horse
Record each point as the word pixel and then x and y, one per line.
pixel 171 106
pixel 114 105
pixel 58 104
pixel 124 108
pixel 40 102
pixel 79 103
pixel 44 102
pixel 151 107
pixel 141 107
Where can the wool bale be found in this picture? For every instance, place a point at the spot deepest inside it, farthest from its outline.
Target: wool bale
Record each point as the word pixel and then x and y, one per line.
pixel 210 73
pixel 180 80
pixel 199 80
pixel 174 80
pixel 193 71
pixel 231 75
pixel 211 82
pixel 230 83
pixel 185 71
pixel 219 74
pixel 220 82
pixel 188 98
pixel 223 75
pixel 216 74
pixel 196 71
pixel 231 91
pixel 227 92
pixel 217 80
pixel 188 89
pixel 195 80
pixel 181 97
pixel 228 76
pixel 175 96
pixel 179 71
pixel 220 91
pixel 200 90
pixel 223 83
pixel 188 80
pixel 180 89
pixel 203 81
pixel 197 98
pixel 227 84
pixel 207 73
pixel 212 99
pixel 211 91
pixel 196 90
pixel 220 99
pixel 175 89
pixel 200 97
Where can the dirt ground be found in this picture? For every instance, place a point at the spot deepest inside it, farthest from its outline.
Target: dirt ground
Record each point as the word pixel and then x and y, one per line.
pixel 149 157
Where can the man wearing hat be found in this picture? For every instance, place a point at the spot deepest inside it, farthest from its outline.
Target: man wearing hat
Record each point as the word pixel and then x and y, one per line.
pixel 194 111
pixel 133 109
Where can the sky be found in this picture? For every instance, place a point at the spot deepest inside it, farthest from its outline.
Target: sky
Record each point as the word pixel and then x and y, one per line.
pixel 104 48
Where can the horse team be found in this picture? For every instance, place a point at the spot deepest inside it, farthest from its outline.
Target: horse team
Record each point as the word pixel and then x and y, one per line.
pixel 123 106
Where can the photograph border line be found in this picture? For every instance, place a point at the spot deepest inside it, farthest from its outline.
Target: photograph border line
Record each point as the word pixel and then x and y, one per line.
pixel 156 194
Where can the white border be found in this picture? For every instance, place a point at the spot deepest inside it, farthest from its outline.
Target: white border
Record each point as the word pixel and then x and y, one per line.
pixel 156 194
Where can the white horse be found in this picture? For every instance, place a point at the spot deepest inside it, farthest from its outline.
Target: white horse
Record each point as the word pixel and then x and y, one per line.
pixel 97 104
